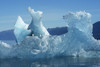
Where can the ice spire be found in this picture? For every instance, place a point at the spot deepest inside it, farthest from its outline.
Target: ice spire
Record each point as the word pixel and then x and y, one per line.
pixel 36 24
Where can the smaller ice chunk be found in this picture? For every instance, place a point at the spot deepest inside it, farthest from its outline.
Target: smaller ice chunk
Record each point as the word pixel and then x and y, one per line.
pixel 21 30
pixel 4 45
pixel 36 24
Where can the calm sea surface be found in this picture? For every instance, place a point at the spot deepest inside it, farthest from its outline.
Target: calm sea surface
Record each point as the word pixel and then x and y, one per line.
pixel 52 62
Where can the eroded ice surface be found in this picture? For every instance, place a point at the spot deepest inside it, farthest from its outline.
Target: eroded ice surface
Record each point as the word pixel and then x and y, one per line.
pixel 77 42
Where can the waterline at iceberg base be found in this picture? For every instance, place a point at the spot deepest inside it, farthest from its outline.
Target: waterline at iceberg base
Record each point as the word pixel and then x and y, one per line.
pixel 78 42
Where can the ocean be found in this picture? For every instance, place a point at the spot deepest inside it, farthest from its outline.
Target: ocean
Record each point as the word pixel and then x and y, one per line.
pixel 52 62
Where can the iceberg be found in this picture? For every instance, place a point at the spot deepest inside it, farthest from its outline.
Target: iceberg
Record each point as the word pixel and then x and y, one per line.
pixel 21 30
pixel 36 24
pixel 78 42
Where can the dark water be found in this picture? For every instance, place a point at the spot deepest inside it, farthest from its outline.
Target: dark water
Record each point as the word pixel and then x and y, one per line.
pixel 52 62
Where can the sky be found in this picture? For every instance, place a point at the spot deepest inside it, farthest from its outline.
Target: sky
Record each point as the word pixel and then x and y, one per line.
pixel 53 11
